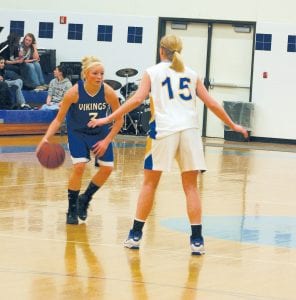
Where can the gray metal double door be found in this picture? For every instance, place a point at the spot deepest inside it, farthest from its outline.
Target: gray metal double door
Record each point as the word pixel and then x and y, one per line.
pixel 222 55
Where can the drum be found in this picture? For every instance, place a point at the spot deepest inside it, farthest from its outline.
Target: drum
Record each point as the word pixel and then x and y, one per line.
pixel 137 121
pixel 132 121
pixel 127 89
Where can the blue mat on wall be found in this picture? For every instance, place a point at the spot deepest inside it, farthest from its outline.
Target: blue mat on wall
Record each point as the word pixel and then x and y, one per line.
pixel 35 97
pixel 27 116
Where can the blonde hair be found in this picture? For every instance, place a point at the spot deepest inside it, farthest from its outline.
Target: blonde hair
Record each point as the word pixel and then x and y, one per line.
pixel 88 62
pixel 172 46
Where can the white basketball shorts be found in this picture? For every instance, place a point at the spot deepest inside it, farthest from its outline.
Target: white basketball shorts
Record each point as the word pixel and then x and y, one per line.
pixel 185 146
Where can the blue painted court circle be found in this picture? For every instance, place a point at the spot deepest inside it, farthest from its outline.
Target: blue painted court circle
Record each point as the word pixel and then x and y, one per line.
pixel 277 231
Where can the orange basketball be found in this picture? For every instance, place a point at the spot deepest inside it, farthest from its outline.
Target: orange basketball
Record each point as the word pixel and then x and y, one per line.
pixel 51 156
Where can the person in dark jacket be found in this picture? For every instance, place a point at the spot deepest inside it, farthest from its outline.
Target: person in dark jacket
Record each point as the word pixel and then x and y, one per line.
pixel 10 52
pixel 13 81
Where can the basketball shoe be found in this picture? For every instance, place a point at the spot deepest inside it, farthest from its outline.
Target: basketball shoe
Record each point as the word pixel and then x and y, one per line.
pixel 83 204
pixel 72 217
pixel 133 240
pixel 197 246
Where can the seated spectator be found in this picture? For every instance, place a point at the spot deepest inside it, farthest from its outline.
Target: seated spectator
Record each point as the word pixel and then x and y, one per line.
pixel 6 100
pixel 30 69
pixel 11 53
pixel 13 81
pixel 57 88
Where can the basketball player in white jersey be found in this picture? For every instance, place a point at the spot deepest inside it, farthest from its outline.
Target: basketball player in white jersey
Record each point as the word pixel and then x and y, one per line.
pixel 174 91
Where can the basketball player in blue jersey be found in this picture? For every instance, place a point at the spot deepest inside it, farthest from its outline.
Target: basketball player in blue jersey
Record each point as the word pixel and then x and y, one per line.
pixel 85 101
pixel 174 133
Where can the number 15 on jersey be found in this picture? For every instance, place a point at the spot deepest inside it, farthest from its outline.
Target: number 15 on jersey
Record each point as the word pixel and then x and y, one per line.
pixel 184 90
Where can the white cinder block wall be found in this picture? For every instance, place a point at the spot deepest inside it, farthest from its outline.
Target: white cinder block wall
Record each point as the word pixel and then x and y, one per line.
pixel 275 103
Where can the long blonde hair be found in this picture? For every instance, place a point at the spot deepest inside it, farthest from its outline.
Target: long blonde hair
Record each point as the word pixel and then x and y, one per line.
pixel 172 46
pixel 88 62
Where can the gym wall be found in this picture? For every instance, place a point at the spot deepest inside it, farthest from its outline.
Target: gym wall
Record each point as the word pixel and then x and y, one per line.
pixel 117 54
pixel 273 96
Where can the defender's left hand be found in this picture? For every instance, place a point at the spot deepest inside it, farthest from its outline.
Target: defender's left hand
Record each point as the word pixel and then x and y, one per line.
pixel 97 122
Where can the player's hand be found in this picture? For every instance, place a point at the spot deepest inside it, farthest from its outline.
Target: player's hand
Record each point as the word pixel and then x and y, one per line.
pixel 242 130
pixel 97 122
pixel 100 148
pixel 44 140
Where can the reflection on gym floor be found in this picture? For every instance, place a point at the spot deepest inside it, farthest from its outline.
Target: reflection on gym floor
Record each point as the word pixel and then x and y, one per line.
pixel 249 224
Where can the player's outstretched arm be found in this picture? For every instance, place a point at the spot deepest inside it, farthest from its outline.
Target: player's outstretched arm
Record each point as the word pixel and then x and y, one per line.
pixel 140 95
pixel 114 103
pixel 217 109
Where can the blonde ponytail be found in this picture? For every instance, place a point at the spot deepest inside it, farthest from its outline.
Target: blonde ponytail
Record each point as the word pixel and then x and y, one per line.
pixel 172 46
pixel 177 62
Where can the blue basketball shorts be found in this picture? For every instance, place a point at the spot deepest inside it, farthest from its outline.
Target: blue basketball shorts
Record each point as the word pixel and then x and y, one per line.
pixel 80 146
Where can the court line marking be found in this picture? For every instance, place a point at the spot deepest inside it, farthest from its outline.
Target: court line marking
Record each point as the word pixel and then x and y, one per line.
pixel 150 283
pixel 179 252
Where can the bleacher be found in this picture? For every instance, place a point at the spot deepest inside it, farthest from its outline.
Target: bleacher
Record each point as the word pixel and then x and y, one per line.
pixel 36 121
pixel 16 122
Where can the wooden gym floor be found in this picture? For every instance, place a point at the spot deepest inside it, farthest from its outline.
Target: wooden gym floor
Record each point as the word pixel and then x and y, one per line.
pixel 249 227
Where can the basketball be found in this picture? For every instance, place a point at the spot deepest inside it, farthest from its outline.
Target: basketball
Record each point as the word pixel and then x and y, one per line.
pixel 51 156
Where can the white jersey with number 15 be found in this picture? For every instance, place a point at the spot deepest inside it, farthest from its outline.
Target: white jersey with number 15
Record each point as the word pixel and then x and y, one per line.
pixel 173 100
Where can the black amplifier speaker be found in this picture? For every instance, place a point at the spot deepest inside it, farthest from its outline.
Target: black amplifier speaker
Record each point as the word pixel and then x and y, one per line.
pixel 47 60
pixel 73 70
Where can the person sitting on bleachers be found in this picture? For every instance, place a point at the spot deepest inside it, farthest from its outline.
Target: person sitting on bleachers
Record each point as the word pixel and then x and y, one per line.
pixel 10 52
pixel 57 88
pixel 13 81
pixel 30 69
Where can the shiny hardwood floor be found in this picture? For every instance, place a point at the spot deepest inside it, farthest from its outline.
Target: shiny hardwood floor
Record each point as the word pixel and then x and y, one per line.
pixel 249 226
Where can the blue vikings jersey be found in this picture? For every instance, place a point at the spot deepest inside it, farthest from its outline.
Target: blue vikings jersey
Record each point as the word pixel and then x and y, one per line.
pixel 85 109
